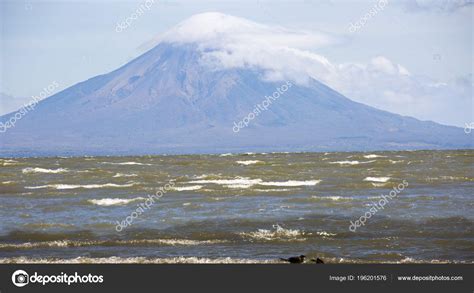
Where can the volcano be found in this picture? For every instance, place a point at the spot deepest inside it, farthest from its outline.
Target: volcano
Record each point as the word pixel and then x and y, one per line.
pixel 172 100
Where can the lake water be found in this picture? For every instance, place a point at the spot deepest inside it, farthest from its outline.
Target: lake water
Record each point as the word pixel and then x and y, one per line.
pixel 239 208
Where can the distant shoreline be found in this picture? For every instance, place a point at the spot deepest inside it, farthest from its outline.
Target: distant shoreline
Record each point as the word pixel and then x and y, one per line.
pixel 8 155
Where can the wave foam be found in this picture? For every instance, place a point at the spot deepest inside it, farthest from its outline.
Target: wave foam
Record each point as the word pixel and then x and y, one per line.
pixel 244 182
pixel 334 198
pixel 127 163
pixel 188 188
pixel 373 156
pixel 42 170
pixel 8 162
pixel 134 260
pixel 377 179
pixel 86 186
pixel 325 234
pixel 239 182
pixel 124 175
pixel 278 233
pixel 113 201
pixel 291 183
pixel 274 190
pixel 249 162
pixel 204 260
pixel 351 162
pixel 137 242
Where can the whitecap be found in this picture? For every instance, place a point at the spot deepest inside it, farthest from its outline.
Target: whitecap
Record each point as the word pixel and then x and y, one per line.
pixel 250 162
pixel 325 234
pixel 278 233
pixel 334 198
pixel 351 162
pixel 8 162
pixel 124 175
pixel 377 179
pixel 127 163
pixel 79 243
pixel 275 190
pixel 239 182
pixel 72 186
pixel 291 183
pixel 42 170
pixel 372 156
pixel 346 162
pixel 113 201
pixel 244 182
pixel 137 259
pixel 188 188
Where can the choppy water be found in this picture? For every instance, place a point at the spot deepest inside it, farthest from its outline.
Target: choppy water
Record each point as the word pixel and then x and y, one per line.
pixel 238 208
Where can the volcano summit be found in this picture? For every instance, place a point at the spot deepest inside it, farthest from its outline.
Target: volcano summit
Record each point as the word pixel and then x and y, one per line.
pixel 185 94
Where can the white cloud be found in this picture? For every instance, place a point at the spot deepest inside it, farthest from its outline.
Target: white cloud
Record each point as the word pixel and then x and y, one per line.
pixel 213 28
pixel 232 42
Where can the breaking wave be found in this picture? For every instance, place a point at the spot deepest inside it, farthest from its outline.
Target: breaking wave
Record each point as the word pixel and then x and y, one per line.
pixel 244 182
pixel 278 233
pixel 79 243
pixel 373 156
pixel 118 175
pixel 113 201
pixel 351 162
pixel 42 170
pixel 143 260
pixel 291 183
pixel 73 186
pixel 334 198
pixel 239 182
pixel 203 260
pixel 377 179
pixel 127 163
pixel 250 162
pixel 8 162
pixel 188 188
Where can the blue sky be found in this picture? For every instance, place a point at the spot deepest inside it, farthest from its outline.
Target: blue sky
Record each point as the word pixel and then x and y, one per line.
pixel 429 43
